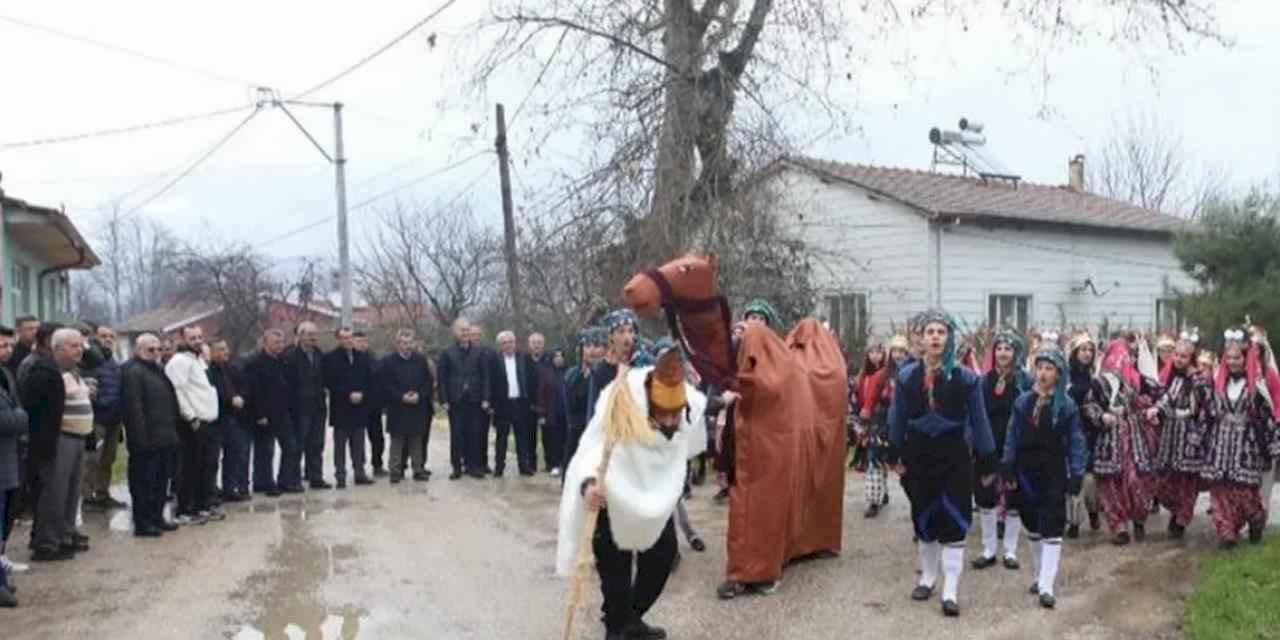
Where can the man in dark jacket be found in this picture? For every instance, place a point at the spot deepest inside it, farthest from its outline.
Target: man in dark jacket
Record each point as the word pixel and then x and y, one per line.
pixel 548 409
pixel 268 386
pixel 513 382
pixel 347 376
pixel 406 383
pixel 464 392
pixel 306 400
pixel 150 415
pixel 106 417
pixel 236 438
pixel 377 440
pixel 27 327
pixel 13 425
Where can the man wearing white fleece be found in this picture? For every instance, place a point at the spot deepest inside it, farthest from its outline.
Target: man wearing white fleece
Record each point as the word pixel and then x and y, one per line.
pixel 198 406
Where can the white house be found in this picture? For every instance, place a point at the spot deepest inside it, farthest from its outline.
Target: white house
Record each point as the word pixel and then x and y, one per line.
pixel 891 242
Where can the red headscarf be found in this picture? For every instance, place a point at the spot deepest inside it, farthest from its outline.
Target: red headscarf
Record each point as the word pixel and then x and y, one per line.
pixel 1118 361
pixel 1252 369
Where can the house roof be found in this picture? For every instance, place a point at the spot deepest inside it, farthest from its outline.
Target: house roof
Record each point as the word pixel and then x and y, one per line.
pixel 48 233
pixel 168 318
pixel 971 197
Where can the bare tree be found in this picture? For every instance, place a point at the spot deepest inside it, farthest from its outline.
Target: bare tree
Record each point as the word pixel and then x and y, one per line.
pixel 436 259
pixel 1144 164
pixel 234 277
pixel 139 260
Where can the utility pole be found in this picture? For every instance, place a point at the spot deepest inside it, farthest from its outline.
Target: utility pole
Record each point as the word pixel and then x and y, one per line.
pixel 344 249
pixel 508 222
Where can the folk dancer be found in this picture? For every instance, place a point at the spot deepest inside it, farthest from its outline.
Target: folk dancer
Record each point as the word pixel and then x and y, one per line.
pixel 1043 463
pixel 871 393
pixel 938 422
pixel 1004 382
pixel 1180 456
pixel 1082 361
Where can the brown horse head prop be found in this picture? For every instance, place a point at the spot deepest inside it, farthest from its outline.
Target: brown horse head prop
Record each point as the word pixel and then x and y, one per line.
pixel 697 315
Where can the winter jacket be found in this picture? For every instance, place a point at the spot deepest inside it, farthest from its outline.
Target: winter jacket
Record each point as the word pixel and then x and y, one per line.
pixel 1065 423
pixel 264 377
pixel 149 406
pixel 306 381
pixel 229 383
pixel 399 375
pixel 44 395
pixel 347 372
pixel 13 425
pixel 106 405
pixel 197 399
pixel 464 374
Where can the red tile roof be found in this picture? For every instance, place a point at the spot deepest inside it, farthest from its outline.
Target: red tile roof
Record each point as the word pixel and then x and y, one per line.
pixel 972 197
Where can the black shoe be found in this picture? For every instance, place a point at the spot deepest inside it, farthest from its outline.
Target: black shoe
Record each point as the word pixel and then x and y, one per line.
pixel 1176 531
pixel 8 600
pixel 950 609
pixel 453 476
pixel 422 476
pixel 1073 532
pixel 1139 532
pixel 379 472
pixel 1012 564
pixel 1121 539
pixel 872 511
pixel 75 546
pixel 638 630
pixel 526 473
pixel 698 545
pixel 297 488
pixel 341 483
pixel 497 473
pixel 273 492
pixel 1047 601
pixel 320 484
pixel 397 479
pixel 921 593
pixel 147 531
pixel 476 475
pixel 1255 533
pixel 884 502
pixel 983 562
pixel 80 537
pixel 166 526
pixel 52 554
pixel 729 589
pixel 364 481
pixel 1095 521
pixel 1035 588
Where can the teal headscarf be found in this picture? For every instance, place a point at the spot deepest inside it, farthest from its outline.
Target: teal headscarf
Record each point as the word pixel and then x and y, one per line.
pixel 1051 353
pixel 948 351
pixel 762 307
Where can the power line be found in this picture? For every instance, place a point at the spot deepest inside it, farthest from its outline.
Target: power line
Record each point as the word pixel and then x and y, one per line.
pixel 193 166
pixel 169 122
pixel 379 51
pixel 206 73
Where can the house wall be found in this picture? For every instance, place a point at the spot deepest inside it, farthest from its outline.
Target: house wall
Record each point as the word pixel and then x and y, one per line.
pixel 47 298
pixel 863 243
pixel 1130 272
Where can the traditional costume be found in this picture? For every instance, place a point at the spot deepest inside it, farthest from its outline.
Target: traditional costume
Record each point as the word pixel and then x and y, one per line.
pixel 1080 382
pixel 1180 455
pixel 1123 451
pixel 870 394
pixel 938 422
pixel 1241 443
pixel 1000 387
pixel 1044 458
pixel 644 481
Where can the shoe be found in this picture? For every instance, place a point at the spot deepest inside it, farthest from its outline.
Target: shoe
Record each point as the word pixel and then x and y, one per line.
pixel 452 476
pixel 215 515
pixel 423 476
pixel 112 503
pixel 921 593
pixel 379 472
pixel 698 545
pixel 479 475
pixel 872 511
pixel 166 526
pixel 340 483
pixel 320 484
pixel 147 531
pixel 215 500
pixel 52 554
pixel 884 502
pixel 614 635
pixel 396 479
pixel 364 481
pixel 1047 600
pixel 1225 545
pixel 983 562
pixel 8 600
pixel 1073 532
pixel 80 537
pixel 1011 563
pixel 1035 588
pixel 297 488
pixel 767 588
pixel 1121 539
pixel 1095 521
pixel 93 503
pixel 497 473
pixel 555 473
pixel 729 589
pixel 13 567
pixel 950 609
pixel 75 546
pixel 1176 531
pixel 274 492
pixel 183 520
pixel 638 630
pixel 1139 532
pixel 1255 533
pixel 527 473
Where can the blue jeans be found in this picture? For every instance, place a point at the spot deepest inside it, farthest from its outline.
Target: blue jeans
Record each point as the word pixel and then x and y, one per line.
pixel 235 456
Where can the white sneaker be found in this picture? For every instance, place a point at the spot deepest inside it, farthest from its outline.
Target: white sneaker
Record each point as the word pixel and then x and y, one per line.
pixel 13 567
pixel 555 473
pixel 182 520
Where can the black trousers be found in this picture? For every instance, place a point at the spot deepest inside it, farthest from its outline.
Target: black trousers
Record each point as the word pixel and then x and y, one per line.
pixel 148 480
pixel 264 458
pixel 628 596
pixel 466 439
pixel 377 439
pixel 940 485
pixel 312 431
pixel 193 476
pixel 217 433
pixel 553 436
pixel 514 416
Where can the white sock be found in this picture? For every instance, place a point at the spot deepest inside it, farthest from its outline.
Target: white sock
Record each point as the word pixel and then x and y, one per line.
pixel 1036 546
pixel 988 518
pixel 930 554
pixel 1050 556
pixel 1012 529
pixel 952 565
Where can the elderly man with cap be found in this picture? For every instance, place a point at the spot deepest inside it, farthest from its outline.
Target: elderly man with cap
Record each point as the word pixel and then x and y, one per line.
pixel 939 423
pixel 637 497
pixel 1043 462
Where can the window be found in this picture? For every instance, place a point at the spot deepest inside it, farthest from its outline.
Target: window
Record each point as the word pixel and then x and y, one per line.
pixel 847 313
pixel 20 287
pixel 1168 315
pixel 1009 311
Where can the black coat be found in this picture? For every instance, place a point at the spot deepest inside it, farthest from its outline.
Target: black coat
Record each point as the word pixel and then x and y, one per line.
pixel 464 375
pixel 44 396
pixel 526 374
pixel 343 376
pixel 306 381
pixel 397 376
pixel 268 385
pixel 150 407
pixel 229 382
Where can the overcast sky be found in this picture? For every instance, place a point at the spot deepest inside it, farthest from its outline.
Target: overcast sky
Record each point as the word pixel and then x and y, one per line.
pixel 405 120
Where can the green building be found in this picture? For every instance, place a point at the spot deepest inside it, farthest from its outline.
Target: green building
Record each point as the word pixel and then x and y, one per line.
pixel 39 247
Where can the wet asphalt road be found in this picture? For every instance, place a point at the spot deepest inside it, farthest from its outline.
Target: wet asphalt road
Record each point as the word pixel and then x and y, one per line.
pixel 473 560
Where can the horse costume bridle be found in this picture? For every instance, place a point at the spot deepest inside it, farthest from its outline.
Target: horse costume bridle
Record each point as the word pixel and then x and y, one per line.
pixel 673 305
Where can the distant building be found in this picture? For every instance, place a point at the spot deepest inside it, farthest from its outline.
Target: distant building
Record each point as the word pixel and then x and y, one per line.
pixel 989 251
pixel 38 247
pixel 171 319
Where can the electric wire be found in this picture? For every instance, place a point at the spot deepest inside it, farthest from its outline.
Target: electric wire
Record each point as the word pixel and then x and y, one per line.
pixel 168 122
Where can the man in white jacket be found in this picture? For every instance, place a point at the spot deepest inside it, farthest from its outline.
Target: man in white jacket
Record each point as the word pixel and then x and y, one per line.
pixel 188 370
